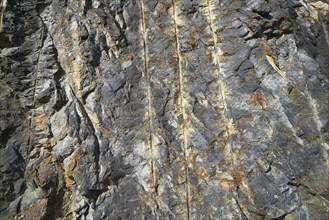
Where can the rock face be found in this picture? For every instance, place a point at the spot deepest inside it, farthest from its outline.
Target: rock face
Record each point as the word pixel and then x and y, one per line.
pixel 164 109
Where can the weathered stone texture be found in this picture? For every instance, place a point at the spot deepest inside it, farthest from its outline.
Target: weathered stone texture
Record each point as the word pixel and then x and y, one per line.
pixel 164 109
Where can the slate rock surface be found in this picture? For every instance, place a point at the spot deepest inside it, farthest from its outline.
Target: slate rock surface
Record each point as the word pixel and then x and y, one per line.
pixel 164 109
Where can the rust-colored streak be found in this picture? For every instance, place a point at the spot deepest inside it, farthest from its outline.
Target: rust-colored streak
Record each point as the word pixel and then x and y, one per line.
pixel 68 175
pixel 30 175
pixel 267 52
pixel 258 99
pixel 264 47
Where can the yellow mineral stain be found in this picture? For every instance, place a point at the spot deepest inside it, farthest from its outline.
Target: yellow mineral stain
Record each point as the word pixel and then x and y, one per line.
pixel 227 183
pixel 203 173
pixel 97 123
pixel 271 59
pixel 63 134
pixel 294 93
pixel 290 217
pixel 41 122
pixel 76 77
pixel 74 161
pixel 211 41
pixel 209 54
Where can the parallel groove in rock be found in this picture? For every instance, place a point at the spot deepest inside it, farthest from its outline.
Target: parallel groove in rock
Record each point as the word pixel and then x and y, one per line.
pixel 34 100
pixel 149 98
pixel 228 123
pixel 181 93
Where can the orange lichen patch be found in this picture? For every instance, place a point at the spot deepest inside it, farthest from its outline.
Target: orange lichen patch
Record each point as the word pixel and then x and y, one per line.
pixel 37 210
pixel 239 174
pixel 68 179
pixel 258 99
pixel 68 174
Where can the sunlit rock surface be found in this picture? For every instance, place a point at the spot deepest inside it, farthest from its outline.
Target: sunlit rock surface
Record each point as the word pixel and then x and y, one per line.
pixel 164 109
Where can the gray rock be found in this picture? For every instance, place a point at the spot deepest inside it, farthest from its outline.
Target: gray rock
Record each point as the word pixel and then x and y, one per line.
pixel 158 109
